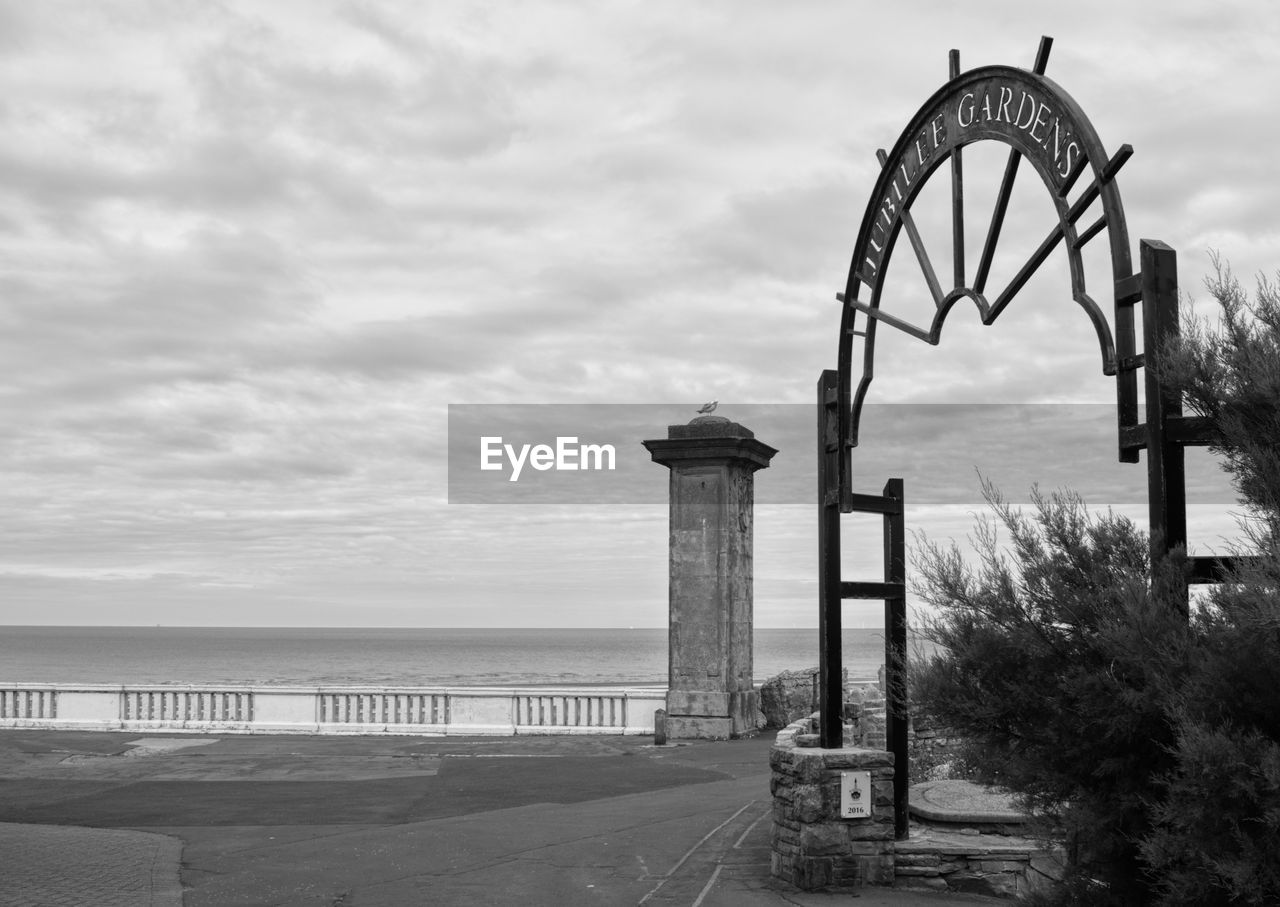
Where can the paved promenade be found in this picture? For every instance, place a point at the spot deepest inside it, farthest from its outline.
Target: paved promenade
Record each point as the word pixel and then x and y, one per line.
pixel 206 821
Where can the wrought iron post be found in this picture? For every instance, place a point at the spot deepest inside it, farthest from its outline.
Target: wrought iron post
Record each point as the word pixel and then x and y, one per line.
pixel 1166 458
pixel 895 650
pixel 830 667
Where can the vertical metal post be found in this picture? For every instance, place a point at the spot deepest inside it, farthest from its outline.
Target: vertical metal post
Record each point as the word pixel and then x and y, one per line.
pixel 830 669
pixel 1166 470
pixel 1126 371
pixel 895 652
pixel 957 193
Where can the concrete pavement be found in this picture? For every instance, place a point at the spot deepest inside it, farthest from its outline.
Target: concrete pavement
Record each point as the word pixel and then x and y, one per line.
pixel 53 865
pixel 392 821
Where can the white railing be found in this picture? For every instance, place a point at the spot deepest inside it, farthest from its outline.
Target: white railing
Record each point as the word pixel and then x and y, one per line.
pixel 28 703
pixel 181 706
pixel 332 710
pixel 389 708
pixel 568 710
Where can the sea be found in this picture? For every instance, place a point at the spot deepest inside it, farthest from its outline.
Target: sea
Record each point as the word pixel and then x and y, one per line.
pixel 384 656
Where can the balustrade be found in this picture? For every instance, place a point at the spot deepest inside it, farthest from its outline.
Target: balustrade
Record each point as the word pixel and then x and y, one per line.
pixel 533 710
pixel 461 710
pixel 384 708
pixel 28 703
pixel 186 705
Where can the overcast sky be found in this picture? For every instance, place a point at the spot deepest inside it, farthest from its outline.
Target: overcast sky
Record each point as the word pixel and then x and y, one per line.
pixel 250 254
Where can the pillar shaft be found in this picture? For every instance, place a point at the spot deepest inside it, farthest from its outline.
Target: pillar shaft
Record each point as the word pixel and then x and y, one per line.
pixel 711 690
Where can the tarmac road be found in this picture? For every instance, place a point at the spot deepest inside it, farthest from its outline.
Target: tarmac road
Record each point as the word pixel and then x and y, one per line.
pixel 104 818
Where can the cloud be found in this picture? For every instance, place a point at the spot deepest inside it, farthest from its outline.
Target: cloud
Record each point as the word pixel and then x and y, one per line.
pixel 250 253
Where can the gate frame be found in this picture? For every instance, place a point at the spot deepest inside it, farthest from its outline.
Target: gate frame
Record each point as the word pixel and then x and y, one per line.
pixel 1164 432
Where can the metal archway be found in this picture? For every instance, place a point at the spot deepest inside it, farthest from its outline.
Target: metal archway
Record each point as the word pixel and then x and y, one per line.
pixel 1042 124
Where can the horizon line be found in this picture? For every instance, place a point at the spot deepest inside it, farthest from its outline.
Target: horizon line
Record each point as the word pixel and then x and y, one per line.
pixel 154 626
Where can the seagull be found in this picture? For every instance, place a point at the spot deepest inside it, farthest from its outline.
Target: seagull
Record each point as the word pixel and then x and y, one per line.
pixel 709 407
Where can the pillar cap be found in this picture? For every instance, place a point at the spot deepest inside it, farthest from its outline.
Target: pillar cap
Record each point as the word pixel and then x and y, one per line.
pixel 710 438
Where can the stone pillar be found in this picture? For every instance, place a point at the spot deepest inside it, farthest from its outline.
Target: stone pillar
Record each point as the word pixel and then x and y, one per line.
pixel 814 847
pixel 711 689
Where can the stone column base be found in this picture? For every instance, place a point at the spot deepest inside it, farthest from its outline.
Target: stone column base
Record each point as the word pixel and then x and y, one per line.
pixel 813 847
pixel 698 727
pixel 710 715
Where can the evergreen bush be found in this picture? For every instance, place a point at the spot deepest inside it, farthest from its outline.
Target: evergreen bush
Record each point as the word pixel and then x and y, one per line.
pixel 1150 738
pixel 1216 834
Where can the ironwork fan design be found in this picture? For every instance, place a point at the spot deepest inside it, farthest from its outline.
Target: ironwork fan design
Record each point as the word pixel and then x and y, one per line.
pixel 1042 125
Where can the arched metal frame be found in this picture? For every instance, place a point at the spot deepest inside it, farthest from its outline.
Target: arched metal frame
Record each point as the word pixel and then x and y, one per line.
pixel 948 122
pixel 1090 155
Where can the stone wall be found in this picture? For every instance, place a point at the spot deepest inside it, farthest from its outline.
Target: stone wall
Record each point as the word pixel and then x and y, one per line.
pixel 793 695
pixel 936 751
pixel 788 697
pixel 813 848
pixel 992 865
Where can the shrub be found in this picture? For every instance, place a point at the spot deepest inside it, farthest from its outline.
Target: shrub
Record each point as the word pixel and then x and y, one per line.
pixel 1216 834
pixel 1153 737
pixel 1054 667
